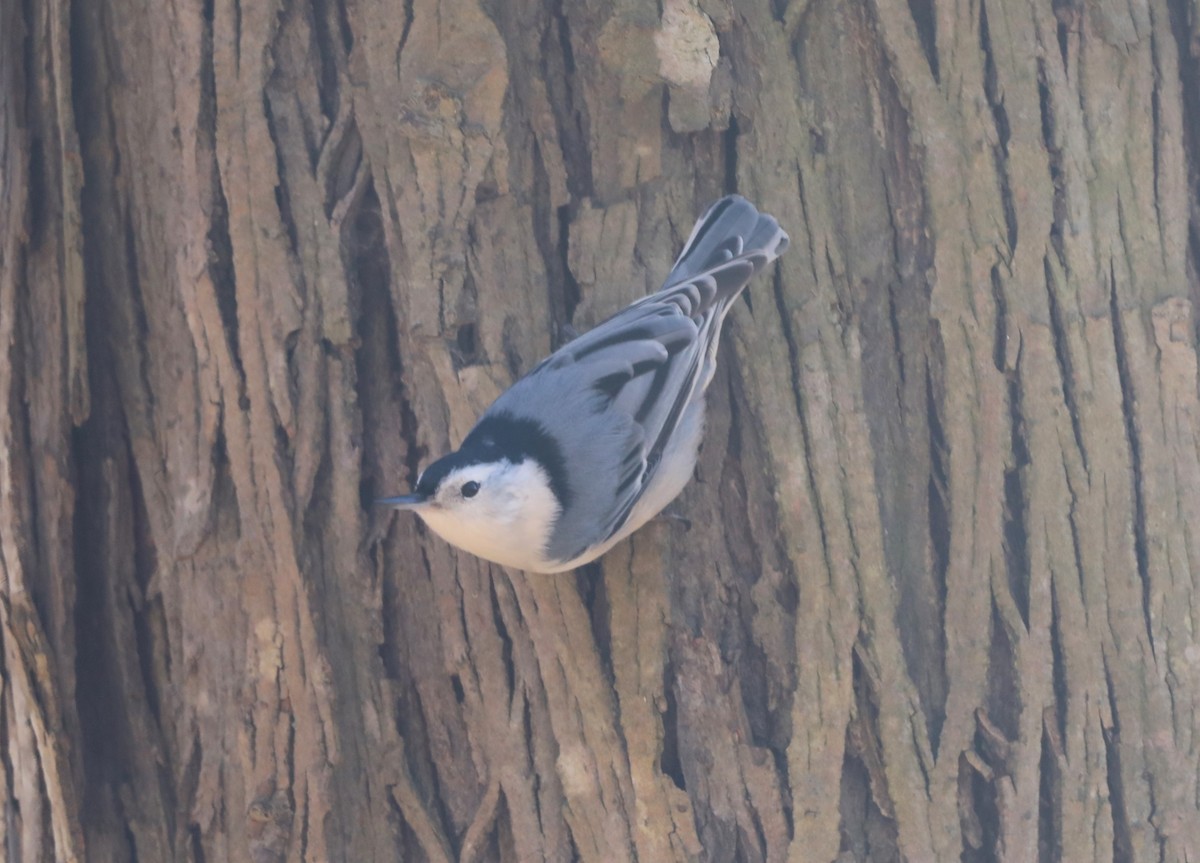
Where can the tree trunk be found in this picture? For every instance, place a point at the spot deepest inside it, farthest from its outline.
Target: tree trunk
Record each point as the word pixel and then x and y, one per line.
pixel 936 590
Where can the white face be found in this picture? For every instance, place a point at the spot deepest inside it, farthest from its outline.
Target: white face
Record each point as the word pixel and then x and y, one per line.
pixel 500 511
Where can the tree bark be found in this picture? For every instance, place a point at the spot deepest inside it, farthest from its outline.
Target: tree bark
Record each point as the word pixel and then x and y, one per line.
pixel 935 594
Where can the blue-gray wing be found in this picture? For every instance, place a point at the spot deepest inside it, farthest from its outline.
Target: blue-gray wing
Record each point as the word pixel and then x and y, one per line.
pixel 652 359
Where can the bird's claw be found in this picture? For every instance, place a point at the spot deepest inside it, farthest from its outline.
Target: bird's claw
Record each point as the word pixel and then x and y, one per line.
pixel 670 514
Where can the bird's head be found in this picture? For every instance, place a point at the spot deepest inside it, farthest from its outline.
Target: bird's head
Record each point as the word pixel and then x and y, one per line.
pixel 493 497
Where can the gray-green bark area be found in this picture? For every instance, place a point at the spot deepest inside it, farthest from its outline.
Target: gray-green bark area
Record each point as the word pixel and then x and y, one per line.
pixel 934 595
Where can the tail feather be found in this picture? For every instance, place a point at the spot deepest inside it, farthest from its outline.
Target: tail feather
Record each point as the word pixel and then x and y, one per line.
pixel 730 230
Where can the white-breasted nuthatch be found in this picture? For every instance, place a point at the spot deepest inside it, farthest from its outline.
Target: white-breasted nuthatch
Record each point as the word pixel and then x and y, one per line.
pixel 605 432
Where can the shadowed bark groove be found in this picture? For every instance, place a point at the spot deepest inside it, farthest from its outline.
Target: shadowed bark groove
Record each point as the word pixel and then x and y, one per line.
pixel 936 589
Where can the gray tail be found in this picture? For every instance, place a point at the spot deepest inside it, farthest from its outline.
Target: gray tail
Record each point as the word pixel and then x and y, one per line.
pixel 732 241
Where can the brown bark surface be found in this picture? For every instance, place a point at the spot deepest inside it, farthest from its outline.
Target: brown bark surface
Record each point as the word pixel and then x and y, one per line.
pixel 937 595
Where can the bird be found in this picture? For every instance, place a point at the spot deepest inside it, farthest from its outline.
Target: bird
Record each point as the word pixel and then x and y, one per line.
pixel 605 432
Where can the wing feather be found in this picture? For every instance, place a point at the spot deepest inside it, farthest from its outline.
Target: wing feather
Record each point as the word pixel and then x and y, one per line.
pixel 654 358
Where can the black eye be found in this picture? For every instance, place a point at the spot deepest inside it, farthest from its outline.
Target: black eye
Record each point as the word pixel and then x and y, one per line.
pixel 470 489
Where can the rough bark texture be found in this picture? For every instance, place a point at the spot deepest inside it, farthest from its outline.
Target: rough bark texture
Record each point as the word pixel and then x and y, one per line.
pixel 940 594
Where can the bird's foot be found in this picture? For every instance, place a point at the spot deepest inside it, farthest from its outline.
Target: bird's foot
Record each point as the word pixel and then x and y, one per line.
pixel 672 514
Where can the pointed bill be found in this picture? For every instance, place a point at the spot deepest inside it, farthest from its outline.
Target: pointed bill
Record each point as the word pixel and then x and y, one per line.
pixel 404 501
